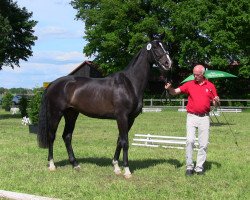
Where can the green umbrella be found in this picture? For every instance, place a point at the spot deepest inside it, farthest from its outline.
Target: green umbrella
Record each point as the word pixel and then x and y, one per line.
pixel 211 74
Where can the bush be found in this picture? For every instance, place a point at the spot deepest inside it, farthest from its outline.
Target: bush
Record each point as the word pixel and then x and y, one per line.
pixel 34 106
pixel 7 101
pixel 23 106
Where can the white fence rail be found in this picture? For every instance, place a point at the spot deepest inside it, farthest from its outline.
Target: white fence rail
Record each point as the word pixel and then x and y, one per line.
pixel 173 142
pixel 181 103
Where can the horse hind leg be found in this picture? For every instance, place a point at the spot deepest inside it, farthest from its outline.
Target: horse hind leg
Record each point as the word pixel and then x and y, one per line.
pixel 70 116
pixel 55 119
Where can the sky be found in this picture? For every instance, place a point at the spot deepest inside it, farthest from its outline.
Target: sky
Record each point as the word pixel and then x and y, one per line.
pixel 58 50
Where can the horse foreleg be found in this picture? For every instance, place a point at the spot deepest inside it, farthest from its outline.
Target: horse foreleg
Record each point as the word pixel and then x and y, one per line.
pixel 127 173
pixel 122 143
pixel 117 169
pixel 115 163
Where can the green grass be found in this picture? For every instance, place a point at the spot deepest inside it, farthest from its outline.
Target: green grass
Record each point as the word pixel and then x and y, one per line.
pixel 158 173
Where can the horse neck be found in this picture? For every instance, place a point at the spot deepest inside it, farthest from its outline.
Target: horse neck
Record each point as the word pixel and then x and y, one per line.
pixel 138 71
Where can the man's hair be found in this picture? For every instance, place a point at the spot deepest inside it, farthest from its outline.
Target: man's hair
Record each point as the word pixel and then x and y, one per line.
pixel 201 68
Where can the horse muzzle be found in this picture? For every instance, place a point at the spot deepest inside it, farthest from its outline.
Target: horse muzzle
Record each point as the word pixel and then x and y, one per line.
pixel 166 63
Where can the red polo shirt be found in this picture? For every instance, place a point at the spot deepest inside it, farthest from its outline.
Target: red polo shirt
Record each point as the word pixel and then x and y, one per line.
pixel 199 96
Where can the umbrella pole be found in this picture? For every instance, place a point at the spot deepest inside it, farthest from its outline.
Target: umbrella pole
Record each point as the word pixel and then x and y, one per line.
pixel 211 119
pixel 226 122
pixel 215 117
pixel 230 128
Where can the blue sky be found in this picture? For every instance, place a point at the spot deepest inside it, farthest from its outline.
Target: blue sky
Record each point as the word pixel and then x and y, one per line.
pixel 58 49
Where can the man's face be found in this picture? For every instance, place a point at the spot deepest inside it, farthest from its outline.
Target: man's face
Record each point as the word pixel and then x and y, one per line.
pixel 198 75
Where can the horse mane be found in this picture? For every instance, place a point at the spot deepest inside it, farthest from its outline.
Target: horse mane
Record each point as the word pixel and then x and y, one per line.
pixel 130 65
pixel 134 59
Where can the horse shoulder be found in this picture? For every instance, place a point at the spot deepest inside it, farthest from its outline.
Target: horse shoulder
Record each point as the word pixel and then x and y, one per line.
pixel 124 91
pixel 122 81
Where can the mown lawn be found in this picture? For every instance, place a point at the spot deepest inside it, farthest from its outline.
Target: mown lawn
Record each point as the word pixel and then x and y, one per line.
pixel 158 173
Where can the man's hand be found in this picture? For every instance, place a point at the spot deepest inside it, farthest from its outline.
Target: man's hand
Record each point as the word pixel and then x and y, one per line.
pixel 216 101
pixel 171 90
pixel 168 86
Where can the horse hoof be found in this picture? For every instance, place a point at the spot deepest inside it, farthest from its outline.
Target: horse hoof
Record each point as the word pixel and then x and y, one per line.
pixel 127 176
pixel 77 168
pixel 117 172
pixel 52 169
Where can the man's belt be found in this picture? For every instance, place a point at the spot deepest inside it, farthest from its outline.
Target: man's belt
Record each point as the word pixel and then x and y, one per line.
pixel 200 114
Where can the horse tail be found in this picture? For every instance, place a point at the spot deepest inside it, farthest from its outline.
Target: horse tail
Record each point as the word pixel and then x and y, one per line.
pixel 43 123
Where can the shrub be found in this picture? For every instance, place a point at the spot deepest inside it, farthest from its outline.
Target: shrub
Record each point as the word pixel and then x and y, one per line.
pixel 34 106
pixel 23 106
pixel 7 101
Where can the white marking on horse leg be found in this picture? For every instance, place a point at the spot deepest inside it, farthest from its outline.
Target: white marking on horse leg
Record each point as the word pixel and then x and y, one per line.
pixel 77 168
pixel 127 173
pixel 52 166
pixel 117 169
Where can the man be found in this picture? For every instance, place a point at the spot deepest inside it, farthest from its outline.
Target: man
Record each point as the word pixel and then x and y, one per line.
pixel 200 92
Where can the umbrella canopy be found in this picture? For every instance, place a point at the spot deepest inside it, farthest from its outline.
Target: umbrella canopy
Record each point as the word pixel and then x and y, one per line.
pixel 211 74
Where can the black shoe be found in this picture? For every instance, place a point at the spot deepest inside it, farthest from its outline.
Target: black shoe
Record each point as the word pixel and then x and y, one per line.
pixel 200 173
pixel 189 172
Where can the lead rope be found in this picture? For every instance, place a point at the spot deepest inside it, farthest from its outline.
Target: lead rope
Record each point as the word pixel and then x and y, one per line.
pixel 165 93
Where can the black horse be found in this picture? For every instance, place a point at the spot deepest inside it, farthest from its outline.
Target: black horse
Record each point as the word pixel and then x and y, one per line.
pixel 118 96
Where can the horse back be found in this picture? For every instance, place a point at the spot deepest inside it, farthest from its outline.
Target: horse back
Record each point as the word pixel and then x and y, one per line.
pixel 95 97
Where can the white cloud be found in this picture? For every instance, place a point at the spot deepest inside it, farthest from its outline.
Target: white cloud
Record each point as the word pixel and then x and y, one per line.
pixel 57 32
pixel 43 67
pixel 75 55
pixel 58 49
pixel 32 75
pixel 58 56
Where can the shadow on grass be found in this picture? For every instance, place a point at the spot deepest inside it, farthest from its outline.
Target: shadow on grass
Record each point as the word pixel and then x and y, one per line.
pixel 10 116
pixel 209 164
pixel 134 164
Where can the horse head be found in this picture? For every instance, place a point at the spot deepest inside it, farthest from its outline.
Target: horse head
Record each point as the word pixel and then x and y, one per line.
pixel 160 55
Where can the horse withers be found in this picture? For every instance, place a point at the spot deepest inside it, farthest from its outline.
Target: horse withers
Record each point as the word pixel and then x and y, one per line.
pixel 118 96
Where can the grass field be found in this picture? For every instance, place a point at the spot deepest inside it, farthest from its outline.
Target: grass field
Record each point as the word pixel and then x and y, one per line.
pixel 158 173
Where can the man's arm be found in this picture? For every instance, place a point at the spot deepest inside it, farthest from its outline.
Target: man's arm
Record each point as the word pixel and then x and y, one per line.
pixel 171 90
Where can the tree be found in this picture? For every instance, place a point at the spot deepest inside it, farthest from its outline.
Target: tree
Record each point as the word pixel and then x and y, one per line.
pixel 34 105
pixel 7 101
pixel 214 33
pixel 115 30
pixel 16 33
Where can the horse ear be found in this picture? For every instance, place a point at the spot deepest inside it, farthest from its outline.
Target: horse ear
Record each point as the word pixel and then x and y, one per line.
pixel 162 36
pixel 151 36
pixel 154 36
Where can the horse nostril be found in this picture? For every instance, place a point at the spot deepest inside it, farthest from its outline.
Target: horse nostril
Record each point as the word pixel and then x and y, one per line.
pixel 168 63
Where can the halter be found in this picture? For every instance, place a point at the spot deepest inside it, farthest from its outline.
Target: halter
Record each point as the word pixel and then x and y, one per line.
pixel 169 76
pixel 149 48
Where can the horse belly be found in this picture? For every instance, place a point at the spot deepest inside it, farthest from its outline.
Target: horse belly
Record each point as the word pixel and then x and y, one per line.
pixel 92 107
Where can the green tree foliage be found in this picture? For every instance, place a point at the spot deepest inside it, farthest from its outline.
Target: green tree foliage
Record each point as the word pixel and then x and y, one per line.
pixel 2 90
pixel 34 105
pixel 7 101
pixel 16 33
pixel 20 91
pixel 23 104
pixel 215 33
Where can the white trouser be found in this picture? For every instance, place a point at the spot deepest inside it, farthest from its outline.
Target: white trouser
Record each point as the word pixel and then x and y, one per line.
pixel 202 124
